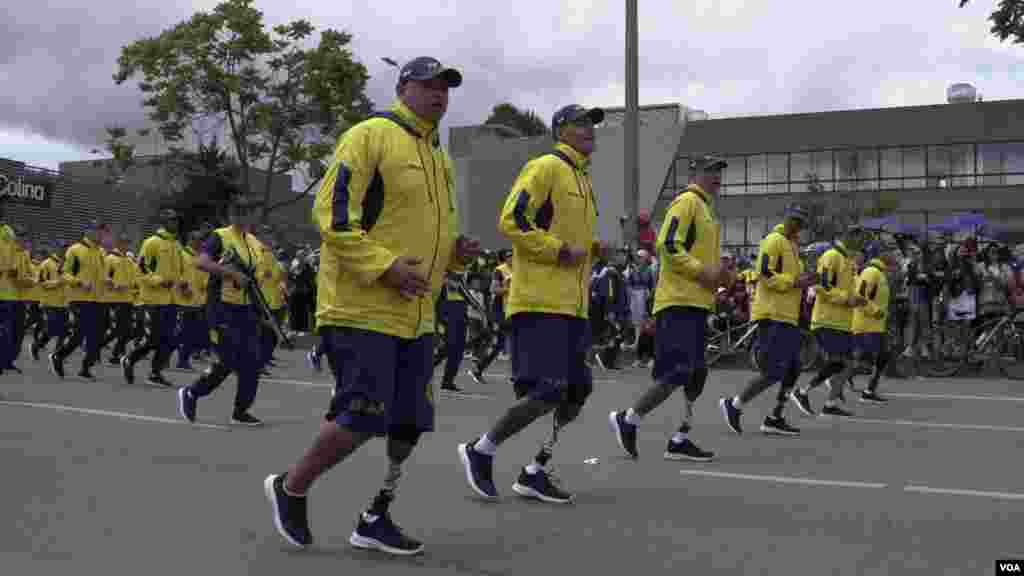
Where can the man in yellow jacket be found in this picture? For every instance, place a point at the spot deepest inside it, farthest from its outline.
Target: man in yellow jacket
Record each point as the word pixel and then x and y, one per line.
pixel 83 272
pixel 870 321
pixel 161 274
pixel 192 302
pixel 776 309
pixel 51 300
pixel 550 216
pixel 831 321
pixel 120 279
pixel 24 282
pixel 386 211
pixel 8 291
pixel 689 252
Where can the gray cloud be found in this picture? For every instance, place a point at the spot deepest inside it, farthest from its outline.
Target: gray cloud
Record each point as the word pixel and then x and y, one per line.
pixel 726 57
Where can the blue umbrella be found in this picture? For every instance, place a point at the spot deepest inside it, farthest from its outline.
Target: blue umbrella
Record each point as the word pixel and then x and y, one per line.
pixel 969 220
pixel 879 223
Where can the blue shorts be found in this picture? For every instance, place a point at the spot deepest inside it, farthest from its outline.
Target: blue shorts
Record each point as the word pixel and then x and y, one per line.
pixel 56 321
pixel 870 343
pixel 778 349
pixel 834 342
pixel 549 353
pixel 680 342
pixel 382 382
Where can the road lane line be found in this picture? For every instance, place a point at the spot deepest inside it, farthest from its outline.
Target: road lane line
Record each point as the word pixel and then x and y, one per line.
pixel 783 479
pixel 955 397
pixel 122 415
pixel 962 492
pixel 924 424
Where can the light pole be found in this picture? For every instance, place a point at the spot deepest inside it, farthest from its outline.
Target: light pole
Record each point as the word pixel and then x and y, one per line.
pixel 389 61
pixel 631 191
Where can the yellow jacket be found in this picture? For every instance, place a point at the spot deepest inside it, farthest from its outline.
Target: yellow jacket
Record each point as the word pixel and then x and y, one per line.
pixel 273 287
pixel 8 262
pixel 36 293
pixel 161 261
pixel 779 265
pixel 835 282
pixel 120 271
pixel 25 283
pixel 51 284
pixel 873 286
pixel 83 263
pixel 389 192
pixel 231 243
pixel 551 205
pixel 688 241
pixel 198 280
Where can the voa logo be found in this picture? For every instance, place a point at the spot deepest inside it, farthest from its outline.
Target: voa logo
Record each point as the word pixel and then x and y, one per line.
pixel 19 189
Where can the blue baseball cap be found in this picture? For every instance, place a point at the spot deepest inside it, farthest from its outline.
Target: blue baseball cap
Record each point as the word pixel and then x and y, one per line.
pixel 427 68
pixel 573 113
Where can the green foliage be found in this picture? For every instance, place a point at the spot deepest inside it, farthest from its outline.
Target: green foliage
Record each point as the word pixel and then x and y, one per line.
pixel 525 121
pixel 833 212
pixel 284 98
pixel 1007 20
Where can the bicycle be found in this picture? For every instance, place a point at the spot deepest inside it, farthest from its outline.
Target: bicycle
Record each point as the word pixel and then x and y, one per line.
pixel 999 339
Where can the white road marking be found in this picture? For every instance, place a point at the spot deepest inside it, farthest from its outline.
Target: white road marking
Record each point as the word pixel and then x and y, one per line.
pixel 783 479
pixel 122 415
pixel 961 492
pixel 955 397
pixel 925 424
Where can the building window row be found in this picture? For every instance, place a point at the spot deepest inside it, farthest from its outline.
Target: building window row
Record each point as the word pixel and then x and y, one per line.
pixel 919 167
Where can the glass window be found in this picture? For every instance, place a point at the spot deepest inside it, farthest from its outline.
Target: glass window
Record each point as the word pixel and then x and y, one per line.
pixel 736 172
pixel 914 167
pixel 867 160
pixel 735 230
pixel 1001 158
pixel 821 166
pixel 778 173
pixel 961 164
pixel 756 228
pixel 845 169
pixel 757 169
pixel 799 168
pixel 891 166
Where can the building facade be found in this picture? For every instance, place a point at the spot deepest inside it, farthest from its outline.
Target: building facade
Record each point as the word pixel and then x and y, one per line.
pixel 922 164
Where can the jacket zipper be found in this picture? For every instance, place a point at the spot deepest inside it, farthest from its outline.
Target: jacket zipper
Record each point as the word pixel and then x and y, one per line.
pixel 437 227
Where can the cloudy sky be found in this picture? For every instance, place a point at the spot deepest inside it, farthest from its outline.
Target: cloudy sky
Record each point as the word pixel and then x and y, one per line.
pixel 727 57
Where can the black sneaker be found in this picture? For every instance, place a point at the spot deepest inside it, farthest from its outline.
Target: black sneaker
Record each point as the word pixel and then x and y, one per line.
pixel 159 380
pixel 732 415
pixel 57 366
pixel 802 401
pixel 127 369
pixel 186 404
pixel 290 517
pixel 479 470
pixel 450 387
pixel 778 427
pixel 836 410
pixel 245 419
pixel 871 397
pixel 625 433
pixel 478 376
pixel 687 450
pixel 381 533
pixel 13 368
pixel 541 486
pixel 84 374
pixel 114 360
pixel 314 361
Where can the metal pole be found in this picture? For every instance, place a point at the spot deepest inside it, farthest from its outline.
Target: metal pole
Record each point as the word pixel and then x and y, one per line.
pixel 631 191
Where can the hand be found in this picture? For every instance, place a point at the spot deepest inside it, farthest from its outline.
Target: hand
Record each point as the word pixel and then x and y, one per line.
pixel 12 273
pixel 86 286
pixel 600 249
pixel 855 300
pixel 466 248
pixel 184 287
pixel 109 283
pixel 709 276
pixel 404 276
pixel 806 280
pixel 241 280
pixel 268 275
pixel 571 256
pixel 167 284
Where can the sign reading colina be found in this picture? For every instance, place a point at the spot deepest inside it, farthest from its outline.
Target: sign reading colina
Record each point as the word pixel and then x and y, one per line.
pixel 27 192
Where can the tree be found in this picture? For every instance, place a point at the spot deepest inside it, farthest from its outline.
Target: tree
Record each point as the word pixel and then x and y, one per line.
pixel 284 101
pixel 525 121
pixel 1007 20
pixel 833 212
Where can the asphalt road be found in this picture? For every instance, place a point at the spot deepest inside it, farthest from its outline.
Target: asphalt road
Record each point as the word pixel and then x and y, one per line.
pixel 103 477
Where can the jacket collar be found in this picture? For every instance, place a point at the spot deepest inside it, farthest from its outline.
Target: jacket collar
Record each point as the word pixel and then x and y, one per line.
pixel 163 233
pixel 581 162
pixel 700 192
pixel 879 264
pixel 838 245
pixel 422 127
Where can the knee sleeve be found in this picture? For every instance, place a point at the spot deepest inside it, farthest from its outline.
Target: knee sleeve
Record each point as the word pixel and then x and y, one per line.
pixel 695 385
pixel 405 435
pixel 575 397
